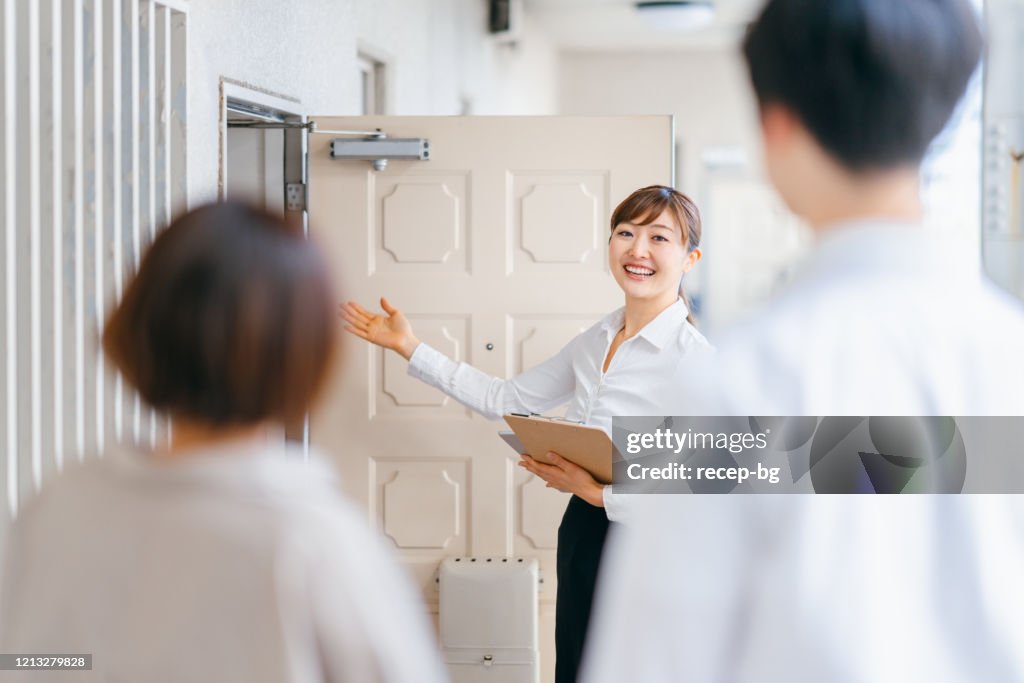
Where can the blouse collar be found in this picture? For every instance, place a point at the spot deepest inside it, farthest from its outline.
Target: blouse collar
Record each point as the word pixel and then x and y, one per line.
pixel 659 331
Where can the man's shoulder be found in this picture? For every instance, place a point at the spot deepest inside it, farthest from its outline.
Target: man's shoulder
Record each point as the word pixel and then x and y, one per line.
pixel 921 348
pixel 1001 303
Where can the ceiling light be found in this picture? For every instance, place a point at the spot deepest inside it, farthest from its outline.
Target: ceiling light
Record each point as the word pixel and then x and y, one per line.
pixel 676 15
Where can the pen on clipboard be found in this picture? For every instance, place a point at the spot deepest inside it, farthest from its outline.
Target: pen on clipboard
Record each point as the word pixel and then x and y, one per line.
pixel 549 419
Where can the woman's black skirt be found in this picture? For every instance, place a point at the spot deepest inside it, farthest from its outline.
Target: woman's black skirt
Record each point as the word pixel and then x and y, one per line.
pixel 580 542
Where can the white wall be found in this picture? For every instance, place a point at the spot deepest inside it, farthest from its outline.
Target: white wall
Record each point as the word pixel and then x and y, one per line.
pixel 438 51
pixel 706 90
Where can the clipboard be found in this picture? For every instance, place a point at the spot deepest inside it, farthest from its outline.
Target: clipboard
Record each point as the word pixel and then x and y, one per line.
pixel 588 447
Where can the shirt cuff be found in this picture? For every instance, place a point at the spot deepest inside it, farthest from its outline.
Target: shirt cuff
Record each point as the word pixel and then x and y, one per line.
pixel 425 361
pixel 614 505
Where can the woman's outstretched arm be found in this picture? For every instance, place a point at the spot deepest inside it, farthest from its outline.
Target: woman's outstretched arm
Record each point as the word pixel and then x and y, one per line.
pixel 536 390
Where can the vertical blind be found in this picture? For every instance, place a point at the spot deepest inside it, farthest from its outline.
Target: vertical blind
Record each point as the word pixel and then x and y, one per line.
pixel 93 98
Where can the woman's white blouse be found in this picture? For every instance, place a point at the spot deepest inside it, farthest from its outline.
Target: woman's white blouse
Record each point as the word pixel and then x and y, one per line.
pixel 643 378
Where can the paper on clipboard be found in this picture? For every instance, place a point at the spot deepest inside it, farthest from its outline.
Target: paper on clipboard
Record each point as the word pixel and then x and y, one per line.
pixel 588 447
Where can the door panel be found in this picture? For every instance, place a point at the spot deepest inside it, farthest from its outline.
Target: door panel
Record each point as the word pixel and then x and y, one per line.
pixel 500 239
pixel 421 226
pixel 401 396
pixel 558 223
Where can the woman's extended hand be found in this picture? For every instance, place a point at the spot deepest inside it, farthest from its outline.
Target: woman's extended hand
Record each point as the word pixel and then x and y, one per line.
pixel 393 332
pixel 567 477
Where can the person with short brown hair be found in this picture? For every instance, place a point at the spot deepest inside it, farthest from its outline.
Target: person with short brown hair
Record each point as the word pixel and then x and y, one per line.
pixel 228 321
pixel 221 556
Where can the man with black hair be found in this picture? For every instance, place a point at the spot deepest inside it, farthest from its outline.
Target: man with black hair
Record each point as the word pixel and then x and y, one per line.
pixel 883 318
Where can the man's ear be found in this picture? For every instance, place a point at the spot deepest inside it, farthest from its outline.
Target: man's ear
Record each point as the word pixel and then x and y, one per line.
pixel 778 124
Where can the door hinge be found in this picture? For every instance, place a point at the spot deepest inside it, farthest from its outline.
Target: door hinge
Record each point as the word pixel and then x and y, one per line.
pixel 295 196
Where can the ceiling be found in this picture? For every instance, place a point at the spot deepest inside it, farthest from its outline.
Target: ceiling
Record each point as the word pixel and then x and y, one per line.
pixel 615 25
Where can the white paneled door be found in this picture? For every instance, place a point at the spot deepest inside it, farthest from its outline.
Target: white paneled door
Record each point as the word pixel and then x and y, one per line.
pixel 496 248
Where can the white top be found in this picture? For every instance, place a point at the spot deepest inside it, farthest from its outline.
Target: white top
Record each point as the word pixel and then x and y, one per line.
pixel 884 320
pixel 234 564
pixel 642 378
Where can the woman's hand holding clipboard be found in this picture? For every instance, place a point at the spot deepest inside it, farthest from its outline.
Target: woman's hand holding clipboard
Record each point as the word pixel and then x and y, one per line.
pixel 587 448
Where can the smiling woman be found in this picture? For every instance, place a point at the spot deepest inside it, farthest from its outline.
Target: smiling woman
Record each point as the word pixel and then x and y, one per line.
pixel 626 364
pixel 655 232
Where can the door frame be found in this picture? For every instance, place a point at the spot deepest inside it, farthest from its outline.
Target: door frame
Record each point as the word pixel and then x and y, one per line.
pixel 263 106
pixel 277 110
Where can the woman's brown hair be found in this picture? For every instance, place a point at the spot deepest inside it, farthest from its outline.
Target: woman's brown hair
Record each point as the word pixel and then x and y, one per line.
pixel 646 204
pixel 228 320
